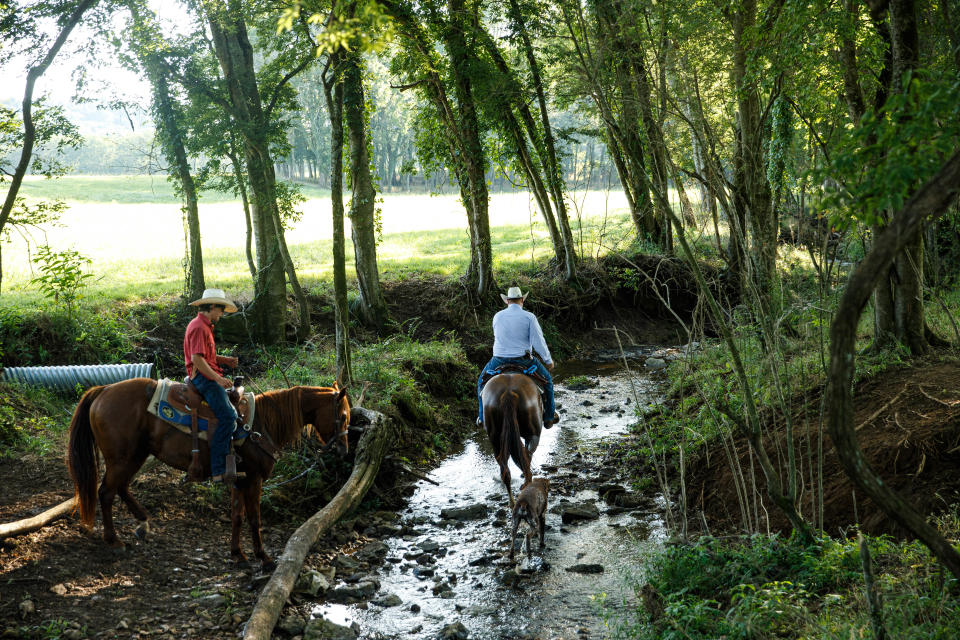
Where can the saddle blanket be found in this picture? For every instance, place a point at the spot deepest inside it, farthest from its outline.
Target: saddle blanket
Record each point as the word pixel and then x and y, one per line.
pixel 530 372
pixel 161 407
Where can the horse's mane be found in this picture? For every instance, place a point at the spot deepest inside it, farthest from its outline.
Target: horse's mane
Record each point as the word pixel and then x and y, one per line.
pixel 278 413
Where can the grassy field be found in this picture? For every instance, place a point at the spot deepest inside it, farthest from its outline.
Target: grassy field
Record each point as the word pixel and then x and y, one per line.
pixel 133 233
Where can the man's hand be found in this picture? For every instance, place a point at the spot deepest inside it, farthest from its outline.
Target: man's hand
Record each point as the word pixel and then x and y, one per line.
pixel 550 365
pixel 229 361
pixel 226 383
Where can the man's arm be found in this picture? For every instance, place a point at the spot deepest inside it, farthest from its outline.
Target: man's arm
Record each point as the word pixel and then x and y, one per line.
pixel 200 364
pixel 227 361
pixel 539 343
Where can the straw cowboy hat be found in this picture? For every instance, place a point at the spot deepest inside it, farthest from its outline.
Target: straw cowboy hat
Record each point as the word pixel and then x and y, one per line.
pixel 216 296
pixel 513 293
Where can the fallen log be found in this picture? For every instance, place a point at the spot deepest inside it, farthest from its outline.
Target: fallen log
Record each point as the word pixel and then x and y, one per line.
pixel 373 445
pixel 20 527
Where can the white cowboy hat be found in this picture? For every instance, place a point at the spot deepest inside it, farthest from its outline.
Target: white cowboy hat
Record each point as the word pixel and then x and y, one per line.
pixel 513 293
pixel 215 296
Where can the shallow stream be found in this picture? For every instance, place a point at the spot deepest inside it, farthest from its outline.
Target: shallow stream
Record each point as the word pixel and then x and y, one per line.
pixel 464 575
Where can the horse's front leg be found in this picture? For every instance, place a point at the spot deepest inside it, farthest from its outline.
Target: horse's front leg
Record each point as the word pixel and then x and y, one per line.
pixel 143 529
pixel 251 500
pixel 236 521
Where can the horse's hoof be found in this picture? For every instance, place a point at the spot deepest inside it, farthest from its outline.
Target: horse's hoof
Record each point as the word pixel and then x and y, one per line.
pixel 117 546
pixel 268 566
pixel 142 531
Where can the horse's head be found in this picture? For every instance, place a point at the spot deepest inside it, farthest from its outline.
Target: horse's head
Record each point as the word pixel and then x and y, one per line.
pixel 327 411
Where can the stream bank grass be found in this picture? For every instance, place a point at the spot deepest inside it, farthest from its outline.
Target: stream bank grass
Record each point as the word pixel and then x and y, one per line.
pixel 771 587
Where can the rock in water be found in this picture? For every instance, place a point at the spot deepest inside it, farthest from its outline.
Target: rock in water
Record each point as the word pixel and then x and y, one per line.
pixel 312 582
pixel 322 629
pixel 586 568
pixel 581 511
pixel 455 631
pixel 471 512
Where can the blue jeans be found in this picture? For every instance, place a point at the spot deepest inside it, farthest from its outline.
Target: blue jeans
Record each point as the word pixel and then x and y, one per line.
pixel 548 405
pixel 216 397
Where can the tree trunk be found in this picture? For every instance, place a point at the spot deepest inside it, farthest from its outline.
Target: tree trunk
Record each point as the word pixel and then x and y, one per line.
pixel 930 201
pixel 373 307
pixel 532 171
pixel 908 287
pixel 623 142
pixel 235 54
pixel 755 186
pixel 303 308
pixel 551 165
pixel 474 159
pixel 333 91
pixel 377 439
pixel 171 139
pixel 29 128
pixel 242 188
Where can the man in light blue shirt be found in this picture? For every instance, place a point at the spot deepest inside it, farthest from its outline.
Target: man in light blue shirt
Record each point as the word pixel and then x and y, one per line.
pixel 515 334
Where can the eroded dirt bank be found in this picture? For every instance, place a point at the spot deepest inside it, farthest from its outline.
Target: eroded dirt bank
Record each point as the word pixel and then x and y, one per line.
pixel 908 424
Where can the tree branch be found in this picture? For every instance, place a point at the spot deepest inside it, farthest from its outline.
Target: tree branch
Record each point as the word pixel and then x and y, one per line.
pixel 276 90
pixel 930 201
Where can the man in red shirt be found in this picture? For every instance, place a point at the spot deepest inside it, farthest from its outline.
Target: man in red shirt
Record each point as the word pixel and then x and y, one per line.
pixel 204 369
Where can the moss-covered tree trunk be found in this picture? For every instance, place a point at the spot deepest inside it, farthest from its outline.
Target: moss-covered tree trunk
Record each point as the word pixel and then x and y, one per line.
pixel 908 287
pixel 755 188
pixel 373 307
pixel 235 55
pixel 333 92
pixel 473 158
pixel 171 138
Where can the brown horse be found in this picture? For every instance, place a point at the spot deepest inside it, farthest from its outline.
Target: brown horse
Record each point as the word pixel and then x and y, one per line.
pixel 512 409
pixel 114 419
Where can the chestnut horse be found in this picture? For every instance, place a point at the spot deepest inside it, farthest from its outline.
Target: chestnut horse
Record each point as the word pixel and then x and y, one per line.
pixel 512 409
pixel 114 419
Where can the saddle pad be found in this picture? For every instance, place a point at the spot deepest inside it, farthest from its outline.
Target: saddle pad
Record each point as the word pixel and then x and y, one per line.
pixel 530 372
pixel 161 407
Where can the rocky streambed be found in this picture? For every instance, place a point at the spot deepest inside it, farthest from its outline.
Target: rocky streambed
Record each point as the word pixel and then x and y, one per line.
pixel 439 569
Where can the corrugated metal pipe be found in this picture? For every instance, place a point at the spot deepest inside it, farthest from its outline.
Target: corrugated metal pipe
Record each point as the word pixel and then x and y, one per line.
pixel 67 378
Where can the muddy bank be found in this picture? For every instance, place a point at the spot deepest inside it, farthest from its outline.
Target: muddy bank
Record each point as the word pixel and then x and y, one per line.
pixel 908 425
pixel 578 319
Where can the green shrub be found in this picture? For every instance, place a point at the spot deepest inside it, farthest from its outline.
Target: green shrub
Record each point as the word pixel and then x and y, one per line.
pixel 45 336
pixel 771 587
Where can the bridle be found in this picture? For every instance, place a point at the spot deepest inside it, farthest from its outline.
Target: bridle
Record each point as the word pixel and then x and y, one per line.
pixel 343 428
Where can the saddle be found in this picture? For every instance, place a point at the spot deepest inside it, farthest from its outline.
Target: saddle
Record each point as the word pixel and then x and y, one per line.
pixel 182 399
pixel 529 371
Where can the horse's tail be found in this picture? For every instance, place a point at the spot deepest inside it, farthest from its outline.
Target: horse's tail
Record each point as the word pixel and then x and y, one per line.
pixel 512 445
pixel 82 458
